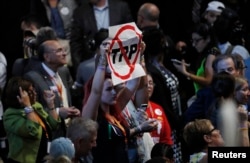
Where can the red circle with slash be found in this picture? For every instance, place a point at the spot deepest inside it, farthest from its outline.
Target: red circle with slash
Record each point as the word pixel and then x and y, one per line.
pixel 127 61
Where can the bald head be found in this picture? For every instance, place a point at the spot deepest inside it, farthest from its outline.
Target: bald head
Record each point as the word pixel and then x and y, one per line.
pixel 150 12
pixel 148 15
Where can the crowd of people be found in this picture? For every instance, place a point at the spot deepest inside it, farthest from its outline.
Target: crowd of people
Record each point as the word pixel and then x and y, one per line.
pixel 61 105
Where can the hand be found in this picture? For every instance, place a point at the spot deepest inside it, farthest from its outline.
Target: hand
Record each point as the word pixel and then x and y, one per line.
pixel 24 98
pixel 69 112
pixel 181 67
pixel 142 47
pixel 74 112
pixel 49 97
pixel 243 114
pixel 149 125
pixel 142 115
pixel 104 48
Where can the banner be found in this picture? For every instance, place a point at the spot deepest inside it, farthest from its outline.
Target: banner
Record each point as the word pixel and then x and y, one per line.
pixel 124 52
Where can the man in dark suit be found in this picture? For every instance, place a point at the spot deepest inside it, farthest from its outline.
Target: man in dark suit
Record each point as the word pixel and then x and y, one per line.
pixel 91 17
pixel 53 75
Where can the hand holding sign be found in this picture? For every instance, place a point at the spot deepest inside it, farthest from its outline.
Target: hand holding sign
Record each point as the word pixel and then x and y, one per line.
pixel 124 52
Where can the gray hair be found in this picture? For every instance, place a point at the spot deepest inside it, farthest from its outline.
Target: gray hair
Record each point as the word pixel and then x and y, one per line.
pixel 80 127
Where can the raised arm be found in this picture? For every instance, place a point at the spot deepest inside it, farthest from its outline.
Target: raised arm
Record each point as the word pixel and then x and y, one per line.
pixel 90 109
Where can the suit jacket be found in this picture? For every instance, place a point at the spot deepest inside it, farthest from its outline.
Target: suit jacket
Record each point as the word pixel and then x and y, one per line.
pixel 84 27
pixel 199 108
pixel 65 7
pixel 43 81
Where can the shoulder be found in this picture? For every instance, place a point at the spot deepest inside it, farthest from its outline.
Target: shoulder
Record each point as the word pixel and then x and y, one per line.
pixel 64 71
pixel 32 75
pixel 158 110
pixel 3 59
pixel 214 51
pixel 37 105
pixel 155 105
pixel 118 4
pixel 241 50
pixel 84 8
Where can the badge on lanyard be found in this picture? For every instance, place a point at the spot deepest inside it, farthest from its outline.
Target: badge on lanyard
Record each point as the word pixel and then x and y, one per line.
pixel 48 146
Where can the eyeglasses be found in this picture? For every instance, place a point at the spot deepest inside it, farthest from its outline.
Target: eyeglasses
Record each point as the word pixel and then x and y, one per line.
pixel 58 51
pixel 195 41
pixel 244 67
pixel 208 133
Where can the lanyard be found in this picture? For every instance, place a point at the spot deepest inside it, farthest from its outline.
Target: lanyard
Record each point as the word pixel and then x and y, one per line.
pixel 113 121
pixel 42 124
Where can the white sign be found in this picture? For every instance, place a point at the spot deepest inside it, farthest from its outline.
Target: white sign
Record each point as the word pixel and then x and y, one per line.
pixel 124 53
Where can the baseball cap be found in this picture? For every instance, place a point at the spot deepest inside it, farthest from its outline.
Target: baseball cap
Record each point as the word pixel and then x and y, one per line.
pixel 62 146
pixel 215 6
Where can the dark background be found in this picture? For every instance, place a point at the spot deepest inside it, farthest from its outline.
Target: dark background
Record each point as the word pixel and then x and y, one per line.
pixel 175 18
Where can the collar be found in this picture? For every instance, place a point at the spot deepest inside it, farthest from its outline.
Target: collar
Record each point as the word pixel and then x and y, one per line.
pixel 223 47
pixel 101 8
pixel 48 70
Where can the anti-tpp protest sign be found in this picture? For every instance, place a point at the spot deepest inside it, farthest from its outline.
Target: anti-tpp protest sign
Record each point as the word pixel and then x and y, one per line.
pixel 124 54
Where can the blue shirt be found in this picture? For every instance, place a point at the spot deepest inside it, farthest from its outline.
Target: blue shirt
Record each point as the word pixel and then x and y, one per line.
pixel 102 16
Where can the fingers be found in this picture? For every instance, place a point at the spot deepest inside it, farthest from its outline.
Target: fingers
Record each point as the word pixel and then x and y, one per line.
pixel 142 47
pixel 73 111
pixel 23 98
pixel 22 93
pixel 19 99
pixel 49 94
pixel 152 120
pixel 104 47
pixel 20 90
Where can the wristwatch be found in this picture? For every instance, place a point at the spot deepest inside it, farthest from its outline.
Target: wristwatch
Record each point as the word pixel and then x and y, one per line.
pixel 28 109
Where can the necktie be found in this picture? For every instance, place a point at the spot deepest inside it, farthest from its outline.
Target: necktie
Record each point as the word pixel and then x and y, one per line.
pixel 58 84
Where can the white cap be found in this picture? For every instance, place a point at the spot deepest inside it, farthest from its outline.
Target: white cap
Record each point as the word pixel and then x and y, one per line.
pixel 215 6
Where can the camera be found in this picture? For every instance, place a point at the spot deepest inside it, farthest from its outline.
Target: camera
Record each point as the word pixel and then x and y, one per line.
pixel 29 39
pixel 30 42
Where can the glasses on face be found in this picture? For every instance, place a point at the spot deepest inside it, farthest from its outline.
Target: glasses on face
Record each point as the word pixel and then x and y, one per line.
pixel 59 51
pixel 196 40
pixel 229 70
pixel 210 132
pixel 243 67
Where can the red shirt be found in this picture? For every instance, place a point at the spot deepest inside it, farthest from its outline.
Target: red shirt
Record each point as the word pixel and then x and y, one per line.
pixel 163 132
